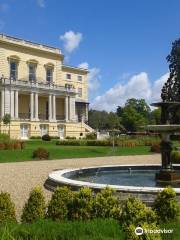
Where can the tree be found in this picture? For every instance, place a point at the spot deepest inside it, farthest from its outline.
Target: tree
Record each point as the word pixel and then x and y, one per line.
pixel 171 88
pixel 132 120
pixel 7 121
pixel 113 121
pixel 139 105
pixel 156 116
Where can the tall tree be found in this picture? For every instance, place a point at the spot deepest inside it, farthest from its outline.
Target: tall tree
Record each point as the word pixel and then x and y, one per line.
pixel 171 89
pixel 139 105
pixel 132 120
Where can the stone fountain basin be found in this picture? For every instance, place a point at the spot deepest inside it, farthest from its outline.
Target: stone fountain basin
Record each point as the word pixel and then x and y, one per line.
pixel 146 194
pixel 164 128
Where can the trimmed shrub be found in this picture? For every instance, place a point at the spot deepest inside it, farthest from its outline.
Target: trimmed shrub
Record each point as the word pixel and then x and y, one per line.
pixel 35 137
pixel 135 212
pixel 175 156
pixel 17 145
pixel 35 207
pixel 41 153
pixel 57 207
pixel 99 143
pixel 68 137
pixel 166 205
pixel 46 137
pixel 91 136
pixel 9 145
pixel 175 137
pixel 106 205
pixel 70 142
pixel 156 148
pixel 7 208
pixel 2 146
pixel 81 205
pixel 130 232
pixel 54 137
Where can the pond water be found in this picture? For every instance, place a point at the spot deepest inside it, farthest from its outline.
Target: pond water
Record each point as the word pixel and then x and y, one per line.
pixel 138 178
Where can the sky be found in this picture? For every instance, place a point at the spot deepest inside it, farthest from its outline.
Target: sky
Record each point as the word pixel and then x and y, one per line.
pixel 123 43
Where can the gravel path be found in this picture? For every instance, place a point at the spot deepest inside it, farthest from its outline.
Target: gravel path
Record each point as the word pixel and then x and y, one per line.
pixel 19 178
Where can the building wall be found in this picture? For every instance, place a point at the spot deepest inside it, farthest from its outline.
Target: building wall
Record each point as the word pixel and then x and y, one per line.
pixel 70 129
pixel 43 58
pixel 30 52
pixel 74 81
pixel 25 55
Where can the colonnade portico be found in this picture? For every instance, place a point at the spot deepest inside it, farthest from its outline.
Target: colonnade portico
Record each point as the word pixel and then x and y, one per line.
pixel 10 104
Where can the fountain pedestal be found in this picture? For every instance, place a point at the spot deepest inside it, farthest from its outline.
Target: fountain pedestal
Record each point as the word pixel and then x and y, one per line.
pixel 166 175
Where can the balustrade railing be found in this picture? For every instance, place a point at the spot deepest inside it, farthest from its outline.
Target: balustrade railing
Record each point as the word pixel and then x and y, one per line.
pixel 36 84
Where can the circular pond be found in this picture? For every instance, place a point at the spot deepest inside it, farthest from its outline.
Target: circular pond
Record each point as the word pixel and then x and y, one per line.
pixel 138 180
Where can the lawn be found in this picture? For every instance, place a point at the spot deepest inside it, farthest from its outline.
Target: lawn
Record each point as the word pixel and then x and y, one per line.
pixel 97 229
pixel 60 152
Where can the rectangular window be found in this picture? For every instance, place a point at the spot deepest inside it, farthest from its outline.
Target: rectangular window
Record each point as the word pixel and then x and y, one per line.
pixel 13 70
pixel 68 76
pixel 32 72
pixel 79 77
pixel 79 92
pixel 49 75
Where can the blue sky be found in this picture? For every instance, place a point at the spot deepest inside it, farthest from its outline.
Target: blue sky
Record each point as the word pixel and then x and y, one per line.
pixel 124 43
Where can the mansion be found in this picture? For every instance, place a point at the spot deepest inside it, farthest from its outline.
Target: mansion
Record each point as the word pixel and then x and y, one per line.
pixel 41 94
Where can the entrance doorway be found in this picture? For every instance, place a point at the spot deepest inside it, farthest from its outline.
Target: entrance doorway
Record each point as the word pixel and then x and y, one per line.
pixel 24 131
pixel 44 129
pixel 61 131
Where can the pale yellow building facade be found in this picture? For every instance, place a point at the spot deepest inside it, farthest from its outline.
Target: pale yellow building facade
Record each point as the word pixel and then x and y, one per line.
pixel 42 95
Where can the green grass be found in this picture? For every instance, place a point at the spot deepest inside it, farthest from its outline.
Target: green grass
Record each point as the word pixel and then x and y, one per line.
pixel 60 152
pixel 97 229
pixel 175 226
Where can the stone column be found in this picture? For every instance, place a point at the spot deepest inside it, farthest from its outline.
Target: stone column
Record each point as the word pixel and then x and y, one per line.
pixel 32 106
pixel 36 107
pixel 66 107
pixel 87 110
pixel 54 107
pixel 50 108
pixel 2 103
pixel 16 105
pixel 12 104
pixel 72 108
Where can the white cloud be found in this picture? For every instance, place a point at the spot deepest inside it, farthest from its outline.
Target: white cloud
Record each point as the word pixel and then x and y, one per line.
pixel 71 40
pixel 138 86
pixel 41 3
pixel 84 65
pixel 93 76
pixel 157 86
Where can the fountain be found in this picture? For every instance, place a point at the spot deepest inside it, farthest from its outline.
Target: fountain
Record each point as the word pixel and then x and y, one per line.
pixel 143 181
pixel 170 104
